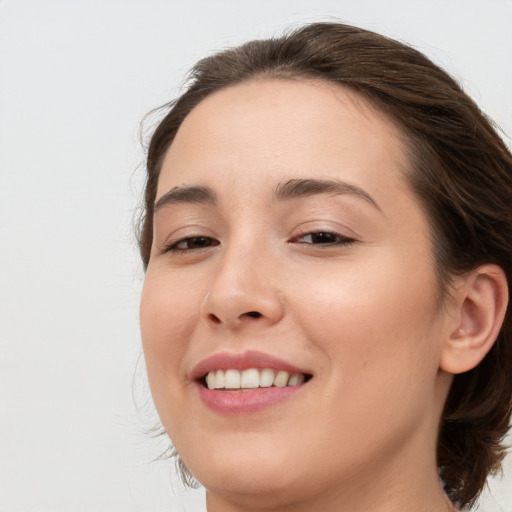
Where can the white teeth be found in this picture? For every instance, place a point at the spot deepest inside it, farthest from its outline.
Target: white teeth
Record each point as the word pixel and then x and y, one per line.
pixel 267 378
pixel 219 379
pixel 296 379
pixel 281 379
pixel 252 378
pixel 210 380
pixel 232 379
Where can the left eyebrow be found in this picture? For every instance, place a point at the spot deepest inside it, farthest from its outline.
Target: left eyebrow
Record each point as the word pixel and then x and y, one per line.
pixel 186 194
pixel 296 188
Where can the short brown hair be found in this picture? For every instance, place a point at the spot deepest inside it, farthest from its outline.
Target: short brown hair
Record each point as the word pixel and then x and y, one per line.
pixel 460 169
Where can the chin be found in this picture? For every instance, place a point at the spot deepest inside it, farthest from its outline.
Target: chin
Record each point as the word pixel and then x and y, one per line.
pixel 247 474
pixel 264 486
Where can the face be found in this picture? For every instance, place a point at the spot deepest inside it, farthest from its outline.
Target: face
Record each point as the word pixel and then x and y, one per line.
pixel 290 254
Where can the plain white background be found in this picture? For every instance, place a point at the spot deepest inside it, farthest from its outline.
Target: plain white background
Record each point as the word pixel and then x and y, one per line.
pixel 76 78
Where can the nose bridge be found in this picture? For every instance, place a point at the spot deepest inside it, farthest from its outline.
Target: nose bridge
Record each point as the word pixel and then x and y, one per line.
pixel 243 288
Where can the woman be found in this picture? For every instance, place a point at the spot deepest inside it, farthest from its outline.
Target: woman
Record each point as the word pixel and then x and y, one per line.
pixel 328 246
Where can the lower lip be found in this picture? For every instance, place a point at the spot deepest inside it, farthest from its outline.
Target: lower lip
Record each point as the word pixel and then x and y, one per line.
pixel 240 402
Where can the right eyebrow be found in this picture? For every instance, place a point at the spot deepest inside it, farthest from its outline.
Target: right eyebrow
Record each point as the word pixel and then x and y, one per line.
pixel 186 194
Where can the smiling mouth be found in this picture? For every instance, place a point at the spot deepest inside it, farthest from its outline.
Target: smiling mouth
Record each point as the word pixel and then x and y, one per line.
pixel 252 378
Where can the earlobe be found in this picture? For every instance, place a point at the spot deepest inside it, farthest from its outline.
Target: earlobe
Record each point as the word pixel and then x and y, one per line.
pixel 481 304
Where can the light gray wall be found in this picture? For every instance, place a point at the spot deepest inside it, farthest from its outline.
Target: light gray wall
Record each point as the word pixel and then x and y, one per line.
pixel 76 78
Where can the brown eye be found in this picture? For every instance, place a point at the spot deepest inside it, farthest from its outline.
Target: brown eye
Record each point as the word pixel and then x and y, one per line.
pixel 192 243
pixel 323 238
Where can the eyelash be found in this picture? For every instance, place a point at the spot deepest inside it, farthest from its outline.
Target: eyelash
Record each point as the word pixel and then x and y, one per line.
pixel 173 246
pixel 339 240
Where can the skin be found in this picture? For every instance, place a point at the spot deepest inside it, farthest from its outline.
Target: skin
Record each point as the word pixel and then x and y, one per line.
pixel 365 318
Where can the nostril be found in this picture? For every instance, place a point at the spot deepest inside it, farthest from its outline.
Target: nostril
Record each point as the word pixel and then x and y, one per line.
pixel 253 314
pixel 217 320
pixel 214 319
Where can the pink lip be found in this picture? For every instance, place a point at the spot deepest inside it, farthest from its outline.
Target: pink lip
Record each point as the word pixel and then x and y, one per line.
pixel 241 402
pixel 242 361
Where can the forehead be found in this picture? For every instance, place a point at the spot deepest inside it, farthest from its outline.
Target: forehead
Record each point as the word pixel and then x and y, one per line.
pixel 270 128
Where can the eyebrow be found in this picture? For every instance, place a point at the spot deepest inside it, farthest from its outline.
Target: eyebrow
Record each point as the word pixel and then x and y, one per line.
pixel 291 189
pixel 296 188
pixel 186 194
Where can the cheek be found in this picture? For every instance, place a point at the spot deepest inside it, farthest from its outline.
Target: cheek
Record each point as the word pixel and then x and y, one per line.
pixel 168 316
pixel 374 318
pixel 377 335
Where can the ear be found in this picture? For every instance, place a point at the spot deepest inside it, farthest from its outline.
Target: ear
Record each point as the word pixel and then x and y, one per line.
pixel 477 313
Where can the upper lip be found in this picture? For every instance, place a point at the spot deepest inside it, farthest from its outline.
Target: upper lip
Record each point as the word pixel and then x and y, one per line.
pixel 242 361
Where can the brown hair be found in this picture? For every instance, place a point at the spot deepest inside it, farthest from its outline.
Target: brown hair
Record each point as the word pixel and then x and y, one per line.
pixel 460 169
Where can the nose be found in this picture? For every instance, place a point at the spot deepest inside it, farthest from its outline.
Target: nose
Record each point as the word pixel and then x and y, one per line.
pixel 243 291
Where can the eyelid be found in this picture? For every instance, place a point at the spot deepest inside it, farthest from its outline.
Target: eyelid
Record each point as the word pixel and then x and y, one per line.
pixel 182 233
pixel 171 246
pixel 342 239
pixel 324 225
